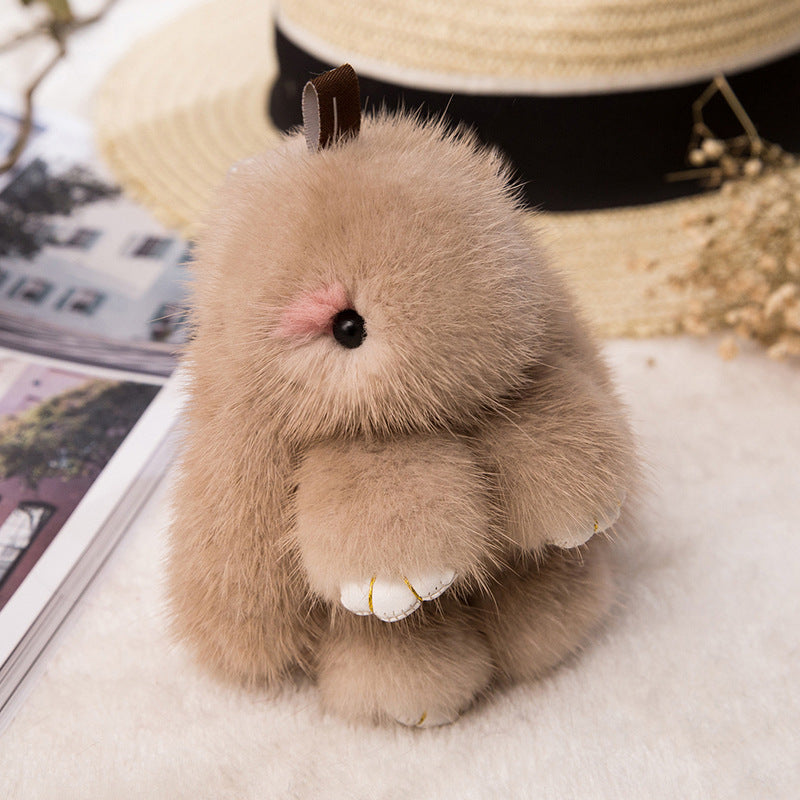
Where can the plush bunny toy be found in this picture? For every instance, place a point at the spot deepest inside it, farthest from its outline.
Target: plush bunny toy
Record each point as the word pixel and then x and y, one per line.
pixel 400 438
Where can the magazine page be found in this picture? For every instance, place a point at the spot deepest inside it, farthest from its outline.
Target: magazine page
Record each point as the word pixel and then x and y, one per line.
pixel 92 311
pixel 72 441
pixel 85 273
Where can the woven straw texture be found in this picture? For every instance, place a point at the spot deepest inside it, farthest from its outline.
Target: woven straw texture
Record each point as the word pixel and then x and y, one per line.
pixel 188 101
pixel 540 45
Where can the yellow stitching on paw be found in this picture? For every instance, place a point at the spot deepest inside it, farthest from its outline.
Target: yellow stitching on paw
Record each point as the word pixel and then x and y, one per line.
pixel 405 580
pixel 371 587
pixel 422 719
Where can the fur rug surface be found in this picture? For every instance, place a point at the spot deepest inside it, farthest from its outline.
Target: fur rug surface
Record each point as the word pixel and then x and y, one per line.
pixel 689 691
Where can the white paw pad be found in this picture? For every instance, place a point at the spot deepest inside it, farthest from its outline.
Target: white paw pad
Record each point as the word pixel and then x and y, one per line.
pixel 393 600
pixel 581 535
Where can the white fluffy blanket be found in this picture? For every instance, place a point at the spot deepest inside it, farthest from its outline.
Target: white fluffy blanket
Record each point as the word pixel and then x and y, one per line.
pixel 690 691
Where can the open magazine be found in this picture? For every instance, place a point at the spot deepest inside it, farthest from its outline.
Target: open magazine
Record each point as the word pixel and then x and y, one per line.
pixel 91 315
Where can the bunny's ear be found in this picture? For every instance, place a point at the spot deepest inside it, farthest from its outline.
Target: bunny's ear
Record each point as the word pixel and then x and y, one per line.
pixel 331 107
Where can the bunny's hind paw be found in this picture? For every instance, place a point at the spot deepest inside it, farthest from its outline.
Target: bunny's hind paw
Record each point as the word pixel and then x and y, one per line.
pixel 580 534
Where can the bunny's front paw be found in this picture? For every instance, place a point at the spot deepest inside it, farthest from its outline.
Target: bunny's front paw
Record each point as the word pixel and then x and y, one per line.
pixel 393 600
pixel 580 534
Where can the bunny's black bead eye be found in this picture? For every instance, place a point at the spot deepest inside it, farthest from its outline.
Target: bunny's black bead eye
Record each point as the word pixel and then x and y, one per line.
pixel 348 328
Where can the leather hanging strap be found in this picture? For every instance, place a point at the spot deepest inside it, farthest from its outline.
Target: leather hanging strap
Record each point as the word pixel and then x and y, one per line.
pixel 331 107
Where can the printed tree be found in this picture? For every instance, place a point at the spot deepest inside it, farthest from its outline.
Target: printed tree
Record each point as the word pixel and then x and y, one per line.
pixel 35 195
pixel 74 433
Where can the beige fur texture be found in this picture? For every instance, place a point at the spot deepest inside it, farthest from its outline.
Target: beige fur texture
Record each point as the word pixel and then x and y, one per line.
pixel 474 431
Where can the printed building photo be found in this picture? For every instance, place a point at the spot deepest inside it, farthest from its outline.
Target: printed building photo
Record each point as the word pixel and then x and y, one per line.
pixel 58 430
pixel 85 273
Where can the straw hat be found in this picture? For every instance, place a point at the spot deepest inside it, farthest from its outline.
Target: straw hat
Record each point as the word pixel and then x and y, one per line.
pixel 590 98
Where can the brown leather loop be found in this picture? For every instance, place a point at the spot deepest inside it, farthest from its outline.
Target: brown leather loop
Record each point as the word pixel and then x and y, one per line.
pixel 331 107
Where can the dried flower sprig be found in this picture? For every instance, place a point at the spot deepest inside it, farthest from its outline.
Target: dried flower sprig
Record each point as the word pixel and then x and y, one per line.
pixel 58 26
pixel 715 160
pixel 746 277
pixel 747 273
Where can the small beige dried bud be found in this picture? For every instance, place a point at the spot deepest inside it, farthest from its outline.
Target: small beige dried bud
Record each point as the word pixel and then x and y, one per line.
pixel 767 263
pixel 788 344
pixel 781 298
pixel 753 167
pixel 728 348
pixel 732 317
pixel 697 158
pixel 749 317
pixel 714 148
pixel 750 285
pixel 791 317
pixel 774 152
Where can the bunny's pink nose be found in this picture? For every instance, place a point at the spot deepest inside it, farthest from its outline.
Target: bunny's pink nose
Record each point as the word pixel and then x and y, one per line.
pixel 312 314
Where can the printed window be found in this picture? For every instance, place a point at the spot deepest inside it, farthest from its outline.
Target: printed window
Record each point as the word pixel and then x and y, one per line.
pixel 32 290
pixel 81 301
pixel 166 320
pixel 151 247
pixel 82 238
pixel 19 529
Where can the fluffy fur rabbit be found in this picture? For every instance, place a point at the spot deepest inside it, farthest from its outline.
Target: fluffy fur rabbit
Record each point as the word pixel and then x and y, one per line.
pixel 400 438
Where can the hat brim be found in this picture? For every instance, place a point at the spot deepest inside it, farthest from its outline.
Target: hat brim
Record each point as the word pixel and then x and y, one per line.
pixel 188 101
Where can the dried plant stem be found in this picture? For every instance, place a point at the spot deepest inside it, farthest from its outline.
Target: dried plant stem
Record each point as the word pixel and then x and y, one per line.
pixel 58 31
pixel 714 160
pixel 700 104
pixel 724 87
pixel 692 174
pixel 18 39
pixel 82 22
pixel 720 84
pixel 26 123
